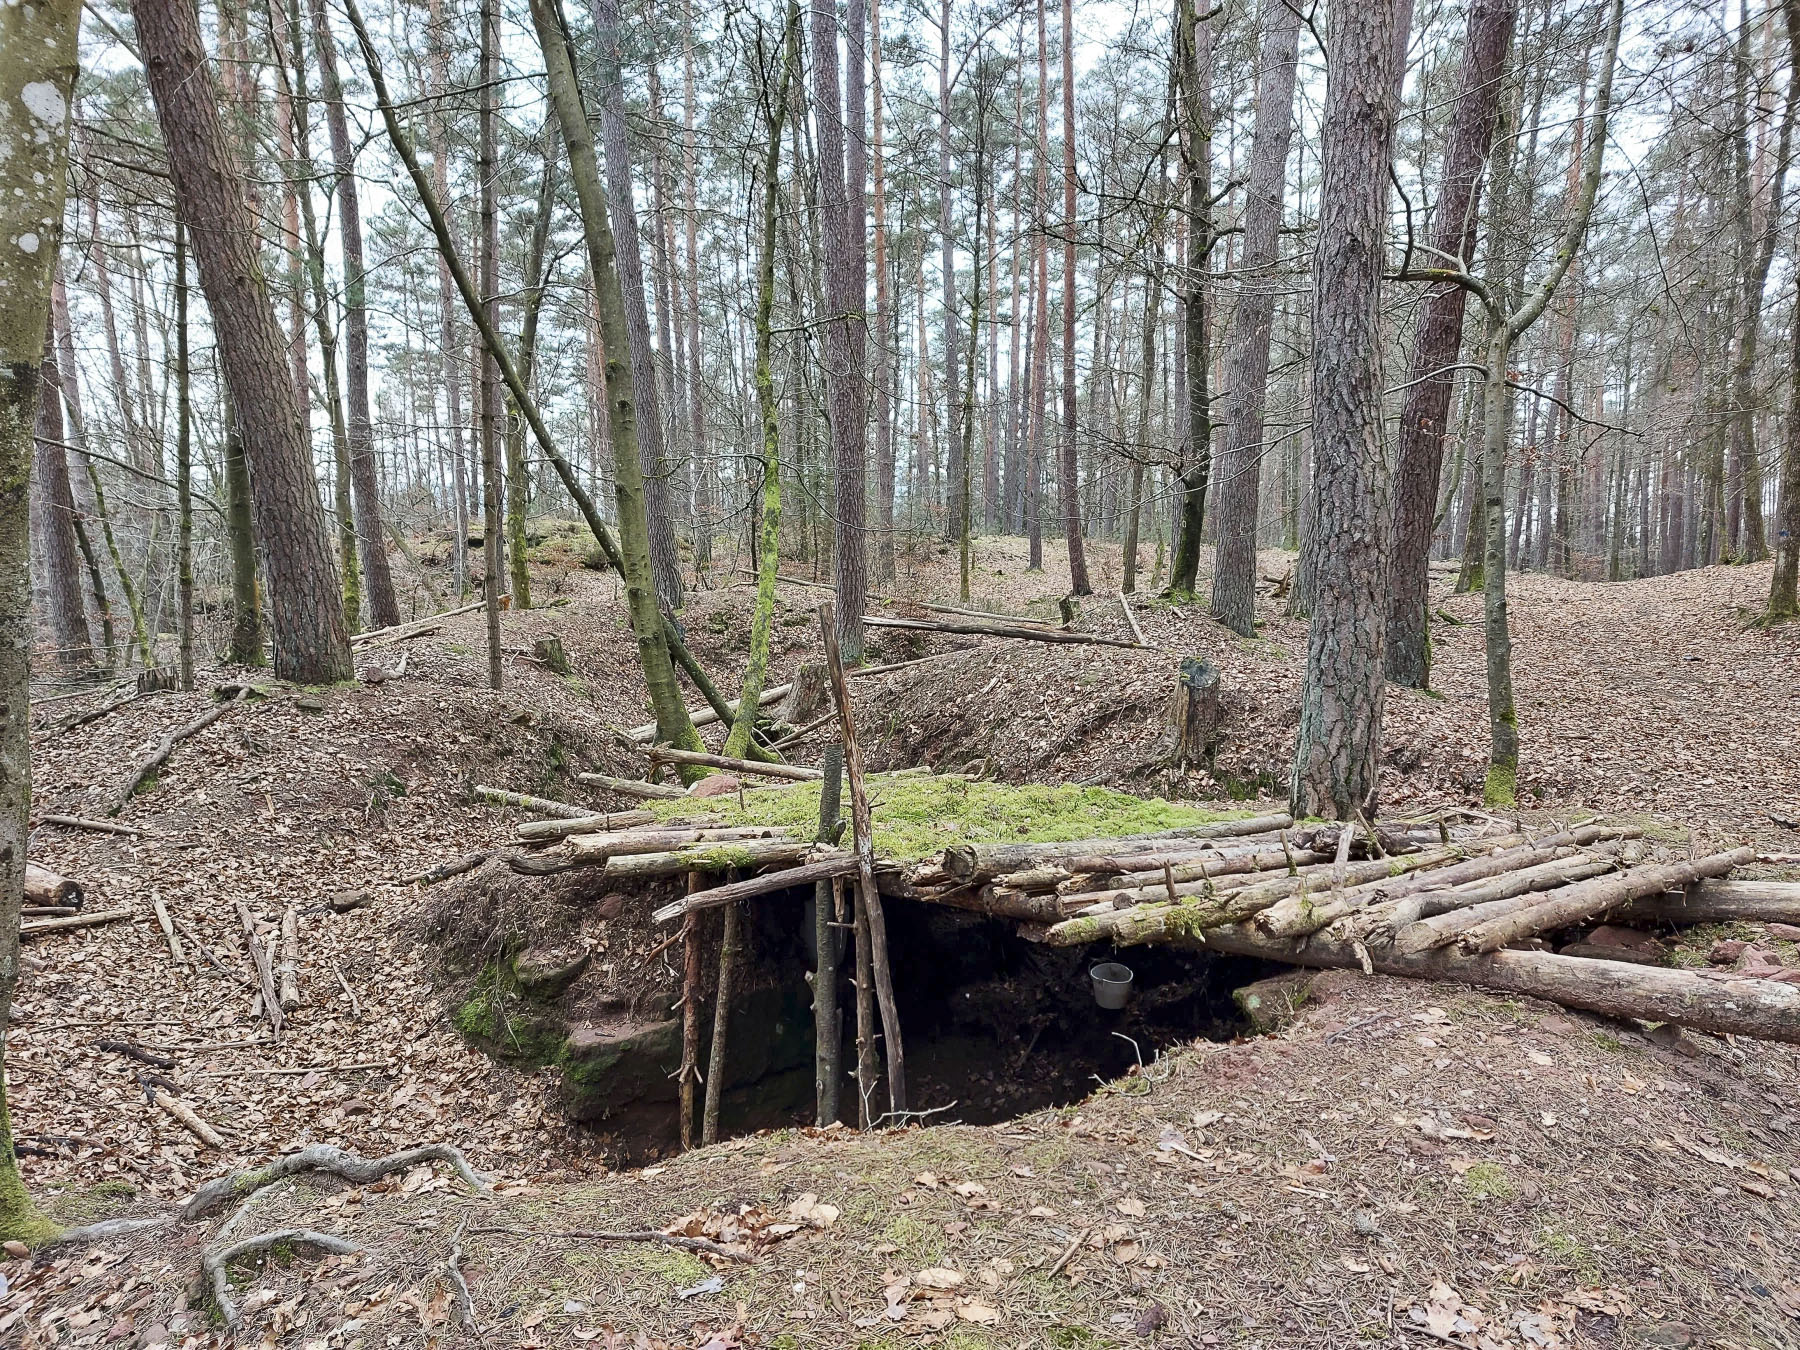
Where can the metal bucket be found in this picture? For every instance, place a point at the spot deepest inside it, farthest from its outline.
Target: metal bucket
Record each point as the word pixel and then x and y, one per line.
pixel 1112 984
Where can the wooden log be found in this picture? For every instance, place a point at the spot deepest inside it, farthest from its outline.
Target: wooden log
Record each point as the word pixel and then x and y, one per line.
pixel 1715 901
pixel 1475 902
pixel 413 628
pixel 787 878
pixel 167 925
pixel 289 969
pixel 828 1029
pixel 544 806
pixel 711 858
pixel 86 920
pixel 660 754
pixel 443 871
pixel 1589 899
pixel 706 716
pixel 586 850
pixel 271 1001
pixel 862 826
pixel 1148 869
pixel 165 746
pixel 1375 913
pixel 993 628
pixel 729 939
pixel 986 861
pixel 688 1077
pixel 1131 619
pixel 630 787
pixel 1195 712
pixel 1199 909
pixel 561 827
pixel 184 1113
pixel 1767 1009
pixel 997 902
pixel 83 823
pixel 44 887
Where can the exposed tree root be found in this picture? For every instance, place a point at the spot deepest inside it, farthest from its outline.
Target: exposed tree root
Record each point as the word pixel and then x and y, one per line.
pixel 110 1228
pixel 220 1191
pixel 687 1244
pixel 217 1261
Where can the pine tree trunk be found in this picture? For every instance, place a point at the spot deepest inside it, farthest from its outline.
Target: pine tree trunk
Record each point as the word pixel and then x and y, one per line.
pixel 184 464
pixel 439 61
pixel 61 563
pixel 1247 343
pixel 377 576
pixel 1437 339
pixel 955 499
pixel 311 644
pixel 1193 52
pixel 1069 477
pixel 518 478
pixel 1337 757
pixel 842 172
pixel 488 386
pixel 883 374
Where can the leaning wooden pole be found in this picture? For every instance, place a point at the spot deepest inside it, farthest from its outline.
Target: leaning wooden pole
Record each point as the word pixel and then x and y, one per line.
pixel 862 825
pixel 715 1062
pixel 828 1041
pixel 690 1015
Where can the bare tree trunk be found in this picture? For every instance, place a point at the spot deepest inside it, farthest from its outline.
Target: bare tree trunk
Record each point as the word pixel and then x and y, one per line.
pixel 883 374
pixel 664 556
pixel 1193 54
pixel 378 578
pixel 1069 477
pixel 842 172
pixel 37 88
pixel 439 57
pixel 518 478
pixel 488 384
pixel 954 499
pixel 1337 756
pixel 1437 339
pixel 1247 343
pixel 1784 589
pixel 705 509
pixel 184 463
pixel 311 644
pixel 61 563
pixel 1040 303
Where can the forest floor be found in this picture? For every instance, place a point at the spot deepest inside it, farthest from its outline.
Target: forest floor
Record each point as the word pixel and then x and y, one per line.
pixel 1403 1157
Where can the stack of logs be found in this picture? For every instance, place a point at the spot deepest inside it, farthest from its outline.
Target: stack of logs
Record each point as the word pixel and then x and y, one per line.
pixel 1419 899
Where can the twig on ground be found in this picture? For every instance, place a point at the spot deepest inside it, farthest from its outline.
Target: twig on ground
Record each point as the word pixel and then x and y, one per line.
pixel 465 1302
pixel 1068 1254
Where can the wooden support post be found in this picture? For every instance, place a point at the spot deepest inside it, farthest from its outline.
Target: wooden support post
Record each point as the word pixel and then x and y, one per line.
pixel 828 1038
pixel 690 1015
pixel 868 1060
pixel 715 1063
pixel 862 825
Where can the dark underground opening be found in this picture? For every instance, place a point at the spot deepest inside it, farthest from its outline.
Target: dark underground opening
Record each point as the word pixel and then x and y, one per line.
pixel 994 1026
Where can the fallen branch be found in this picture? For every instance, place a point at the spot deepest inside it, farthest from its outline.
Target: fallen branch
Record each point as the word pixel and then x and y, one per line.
pixel 784 879
pixel 412 628
pixel 705 717
pixel 184 1113
pixel 630 787
pixel 221 1191
pixel 289 969
pixel 271 1001
pixel 217 1262
pixel 83 823
pixel 164 922
pixel 544 806
pixel 988 628
pixel 660 754
pixel 98 916
pixel 44 887
pixel 1131 619
pixel 454 868
pixel 166 747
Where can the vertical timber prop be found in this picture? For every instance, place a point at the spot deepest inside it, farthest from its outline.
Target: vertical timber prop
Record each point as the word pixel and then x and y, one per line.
pixel 690 1013
pixel 827 1029
pixel 731 936
pixel 868 899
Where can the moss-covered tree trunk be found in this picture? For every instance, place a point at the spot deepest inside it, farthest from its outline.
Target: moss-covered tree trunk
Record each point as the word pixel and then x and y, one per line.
pixel 37 81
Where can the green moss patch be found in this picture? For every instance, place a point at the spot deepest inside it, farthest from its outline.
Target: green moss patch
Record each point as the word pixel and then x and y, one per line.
pixel 919 817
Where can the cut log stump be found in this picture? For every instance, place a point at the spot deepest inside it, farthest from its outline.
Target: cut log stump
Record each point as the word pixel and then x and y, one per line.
pixel 1195 713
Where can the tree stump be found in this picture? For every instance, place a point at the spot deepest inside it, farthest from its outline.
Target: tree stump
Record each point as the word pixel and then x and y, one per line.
pixel 1195 713
pixel 806 700
pixel 550 651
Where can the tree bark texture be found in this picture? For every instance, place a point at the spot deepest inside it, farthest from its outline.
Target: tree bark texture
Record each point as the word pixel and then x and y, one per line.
pixel 1247 344
pixel 311 642
pixel 1194 57
pixel 1068 478
pixel 1337 757
pixel 1437 339
pixel 843 263
pixel 61 563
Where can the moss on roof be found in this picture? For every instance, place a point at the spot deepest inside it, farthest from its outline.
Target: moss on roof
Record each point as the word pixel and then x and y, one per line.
pixel 916 817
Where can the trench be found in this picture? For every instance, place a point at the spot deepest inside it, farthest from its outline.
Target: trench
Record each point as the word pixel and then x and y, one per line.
pixel 995 1027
